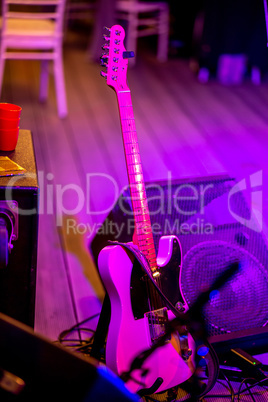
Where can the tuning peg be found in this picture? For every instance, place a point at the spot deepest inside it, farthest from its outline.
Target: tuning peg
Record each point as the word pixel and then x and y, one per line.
pixel 107 38
pixel 105 47
pixel 107 29
pixel 103 74
pixel 104 56
pixel 103 63
pixel 104 59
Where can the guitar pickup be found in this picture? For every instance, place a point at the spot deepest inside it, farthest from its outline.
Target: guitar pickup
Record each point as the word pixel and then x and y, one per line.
pixel 157 321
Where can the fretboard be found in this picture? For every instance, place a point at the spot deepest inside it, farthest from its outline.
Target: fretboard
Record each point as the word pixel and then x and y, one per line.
pixel 143 228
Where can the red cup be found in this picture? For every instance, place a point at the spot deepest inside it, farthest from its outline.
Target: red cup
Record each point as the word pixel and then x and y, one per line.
pixel 8 139
pixel 9 124
pixel 9 111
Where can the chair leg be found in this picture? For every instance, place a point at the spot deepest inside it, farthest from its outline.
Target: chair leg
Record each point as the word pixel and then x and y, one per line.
pixel 132 35
pixel 60 85
pixel 44 78
pixel 162 50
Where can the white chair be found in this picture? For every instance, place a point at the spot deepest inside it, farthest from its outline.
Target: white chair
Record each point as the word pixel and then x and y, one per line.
pixel 33 29
pixel 145 18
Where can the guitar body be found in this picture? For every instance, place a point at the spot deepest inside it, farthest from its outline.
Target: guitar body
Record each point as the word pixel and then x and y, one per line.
pixel 129 329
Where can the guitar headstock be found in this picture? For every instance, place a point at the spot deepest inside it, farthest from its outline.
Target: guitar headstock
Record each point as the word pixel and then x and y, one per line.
pixel 115 58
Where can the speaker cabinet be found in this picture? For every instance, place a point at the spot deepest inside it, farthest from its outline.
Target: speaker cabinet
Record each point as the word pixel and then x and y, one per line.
pixel 214 225
pixel 35 369
pixel 20 193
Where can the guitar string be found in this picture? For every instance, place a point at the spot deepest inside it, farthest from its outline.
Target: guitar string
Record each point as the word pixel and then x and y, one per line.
pixel 134 170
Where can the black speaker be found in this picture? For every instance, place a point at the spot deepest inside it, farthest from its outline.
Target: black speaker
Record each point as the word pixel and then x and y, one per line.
pixel 215 226
pixel 19 208
pixel 34 369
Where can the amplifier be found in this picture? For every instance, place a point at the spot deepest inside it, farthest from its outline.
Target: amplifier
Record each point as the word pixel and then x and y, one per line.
pixel 212 220
pixel 19 206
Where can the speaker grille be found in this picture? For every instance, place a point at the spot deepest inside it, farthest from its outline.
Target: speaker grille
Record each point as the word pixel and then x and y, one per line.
pixel 239 304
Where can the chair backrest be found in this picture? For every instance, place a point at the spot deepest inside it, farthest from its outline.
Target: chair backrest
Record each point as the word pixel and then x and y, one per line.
pixel 52 10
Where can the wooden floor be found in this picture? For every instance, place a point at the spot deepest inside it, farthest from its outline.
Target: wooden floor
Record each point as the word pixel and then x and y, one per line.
pixel 186 129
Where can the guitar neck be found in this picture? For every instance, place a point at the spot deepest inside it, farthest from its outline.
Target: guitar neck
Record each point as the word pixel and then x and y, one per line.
pixel 143 228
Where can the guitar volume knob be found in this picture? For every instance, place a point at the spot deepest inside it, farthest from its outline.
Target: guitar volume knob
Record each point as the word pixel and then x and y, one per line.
pixel 187 354
pixel 180 307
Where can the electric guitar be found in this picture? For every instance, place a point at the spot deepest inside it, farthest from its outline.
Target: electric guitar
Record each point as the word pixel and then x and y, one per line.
pixel 138 313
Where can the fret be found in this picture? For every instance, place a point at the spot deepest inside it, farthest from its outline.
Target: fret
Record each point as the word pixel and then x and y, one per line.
pixel 138 196
pixel 142 223
pixel 146 238
pixel 141 215
pixel 139 211
pixel 143 229
pixel 137 214
pixel 133 164
pixel 153 263
pixel 128 126
pixel 149 251
pixel 133 169
pixel 129 135
pixel 140 203
pixel 124 98
pixel 140 219
pixel 127 113
pixel 132 149
pixel 134 159
pixel 138 187
pixel 130 140
pixel 145 245
pixel 136 180
pixel 136 174
pixel 139 199
pixel 140 208
pixel 138 191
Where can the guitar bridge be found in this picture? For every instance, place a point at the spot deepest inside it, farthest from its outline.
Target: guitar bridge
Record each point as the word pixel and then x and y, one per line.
pixel 157 321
